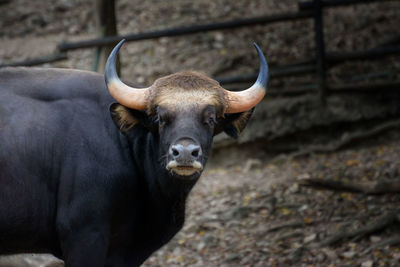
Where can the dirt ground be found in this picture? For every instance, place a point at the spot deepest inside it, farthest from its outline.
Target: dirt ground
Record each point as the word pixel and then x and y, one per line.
pixel 256 213
pixel 252 211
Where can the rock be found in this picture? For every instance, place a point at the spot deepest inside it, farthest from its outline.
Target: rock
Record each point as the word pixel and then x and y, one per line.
pixel 296 254
pixel 74 29
pixel 294 188
pixel 238 213
pixel 303 208
pixel 200 246
pixel 63 6
pixel 232 257
pixel 31 260
pixel 375 239
pixel 252 164
pixel 320 257
pixel 396 256
pixel 310 238
pixel 304 176
pixel 368 263
pixel 349 254
pixel 219 36
pixel 330 253
pixel 209 240
pixel 233 224
pixel 305 114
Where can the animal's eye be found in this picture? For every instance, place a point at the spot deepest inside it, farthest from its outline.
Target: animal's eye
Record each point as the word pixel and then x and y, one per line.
pixel 162 120
pixel 162 117
pixel 209 116
pixel 210 121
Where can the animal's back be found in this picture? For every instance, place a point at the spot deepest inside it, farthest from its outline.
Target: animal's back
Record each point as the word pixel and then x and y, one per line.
pixel 50 84
pixel 39 110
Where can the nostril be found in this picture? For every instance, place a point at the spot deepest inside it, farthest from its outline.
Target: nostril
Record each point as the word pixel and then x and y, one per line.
pixel 175 152
pixel 195 153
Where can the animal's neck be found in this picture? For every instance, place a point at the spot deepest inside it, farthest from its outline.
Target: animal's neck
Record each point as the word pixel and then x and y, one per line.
pixel 154 175
pixel 165 194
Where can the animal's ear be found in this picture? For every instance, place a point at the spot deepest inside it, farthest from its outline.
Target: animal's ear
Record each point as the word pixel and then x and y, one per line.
pixel 233 124
pixel 125 118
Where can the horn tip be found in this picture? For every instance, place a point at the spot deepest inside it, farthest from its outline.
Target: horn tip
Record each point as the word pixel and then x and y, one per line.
pixel 263 76
pixel 110 71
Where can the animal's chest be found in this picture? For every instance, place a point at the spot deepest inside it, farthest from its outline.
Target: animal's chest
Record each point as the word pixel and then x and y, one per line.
pixel 141 241
pixel 158 228
pixel 146 230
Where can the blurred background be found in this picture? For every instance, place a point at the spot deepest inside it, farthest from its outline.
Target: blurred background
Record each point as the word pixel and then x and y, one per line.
pixel 330 119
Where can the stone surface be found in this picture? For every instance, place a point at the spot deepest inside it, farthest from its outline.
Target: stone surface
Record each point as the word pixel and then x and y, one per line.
pixel 286 122
pixel 30 260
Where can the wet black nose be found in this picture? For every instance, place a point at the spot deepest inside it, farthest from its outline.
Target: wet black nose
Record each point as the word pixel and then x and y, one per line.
pixel 185 153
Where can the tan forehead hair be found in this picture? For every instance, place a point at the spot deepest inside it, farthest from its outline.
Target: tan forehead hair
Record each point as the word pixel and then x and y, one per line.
pixel 185 89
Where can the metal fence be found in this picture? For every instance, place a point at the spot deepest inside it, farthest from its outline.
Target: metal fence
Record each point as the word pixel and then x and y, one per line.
pixel 318 65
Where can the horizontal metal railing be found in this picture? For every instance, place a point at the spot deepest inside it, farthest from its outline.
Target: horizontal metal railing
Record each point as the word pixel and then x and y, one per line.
pixel 306 10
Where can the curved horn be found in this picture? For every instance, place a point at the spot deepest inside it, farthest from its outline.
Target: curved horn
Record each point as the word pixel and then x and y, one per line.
pixel 247 99
pixel 135 98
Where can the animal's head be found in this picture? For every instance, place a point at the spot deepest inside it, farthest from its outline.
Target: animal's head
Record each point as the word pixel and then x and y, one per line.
pixel 184 111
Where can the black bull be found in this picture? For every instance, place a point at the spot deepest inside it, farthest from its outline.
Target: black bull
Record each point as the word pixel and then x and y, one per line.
pixel 75 185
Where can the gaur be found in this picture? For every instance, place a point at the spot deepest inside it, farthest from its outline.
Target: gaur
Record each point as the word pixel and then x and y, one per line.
pixel 103 183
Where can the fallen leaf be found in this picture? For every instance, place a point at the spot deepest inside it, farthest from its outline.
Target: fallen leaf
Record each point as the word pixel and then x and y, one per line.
pixel 353 162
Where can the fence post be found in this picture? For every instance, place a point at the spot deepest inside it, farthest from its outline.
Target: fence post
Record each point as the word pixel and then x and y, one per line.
pixel 320 50
pixel 106 26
